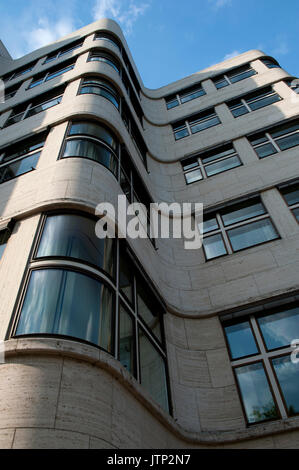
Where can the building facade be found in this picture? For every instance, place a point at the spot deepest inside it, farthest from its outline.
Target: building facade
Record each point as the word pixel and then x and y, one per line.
pixel 140 343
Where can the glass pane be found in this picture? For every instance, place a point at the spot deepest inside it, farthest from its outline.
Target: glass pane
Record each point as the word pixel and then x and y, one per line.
pixel 181 134
pixel 288 142
pixel 93 150
pixel 152 371
pixel 242 76
pixel 94 130
pixel 241 340
pixel 264 102
pixel 217 153
pixel 288 377
pixel 239 111
pixel 252 234
pixel 210 224
pixel 280 328
pixel 190 163
pixel 18 168
pixel 221 83
pixel 223 165
pixel 2 248
pixel 44 106
pixel 172 104
pixel 36 83
pixel 74 236
pixel 96 90
pixel 146 309
pixel 63 302
pixel 59 72
pixel 230 217
pixel 193 176
pixel 257 398
pixel 192 96
pixel 265 150
pixel 104 59
pixel 126 276
pixel 214 246
pixel 291 195
pixel 126 341
pixel 296 213
pixel 4 236
pixel 285 129
pixel 205 125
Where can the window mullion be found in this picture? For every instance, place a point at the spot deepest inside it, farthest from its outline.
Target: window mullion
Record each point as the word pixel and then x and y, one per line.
pixel 224 234
pixel 272 141
pixel 244 102
pixel 188 127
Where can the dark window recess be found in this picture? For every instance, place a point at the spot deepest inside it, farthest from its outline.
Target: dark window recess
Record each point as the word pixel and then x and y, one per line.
pixel 271 63
pixel 97 55
pixel 276 139
pixel 53 72
pixel 233 76
pixel 20 158
pixel 253 101
pixel 195 123
pixel 134 131
pixel 183 96
pixel 18 72
pixel 10 92
pixel 100 86
pixel 291 196
pixel 37 105
pixel 65 50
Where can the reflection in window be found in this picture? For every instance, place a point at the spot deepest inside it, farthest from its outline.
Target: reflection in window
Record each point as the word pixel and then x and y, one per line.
pixel 279 329
pixel 126 341
pixel 257 398
pixel 147 308
pixel 100 56
pixel 73 236
pixel 241 340
pixel 152 371
pixel 63 302
pixel 287 374
pixel 276 139
pixel 98 86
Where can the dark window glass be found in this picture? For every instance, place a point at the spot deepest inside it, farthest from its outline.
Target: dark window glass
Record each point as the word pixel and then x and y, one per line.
pixel 291 195
pixel 270 63
pixel 257 397
pixel 64 302
pixel 102 57
pixel 241 340
pixel 223 165
pixel 241 76
pixel 94 130
pixel 100 87
pixel 126 276
pixel 239 214
pixel 93 150
pixel 74 236
pixel 126 341
pixel 4 236
pixel 288 377
pixel 221 83
pixel 210 224
pixel 261 103
pixel 265 150
pixel 193 176
pixel 279 329
pixel 107 37
pixel 204 124
pixel 296 213
pixel 288 142
pixel 147 309
pixel 252 234
pixel 42 107
pixel 19 167
pixel 152 371
pixel 172 104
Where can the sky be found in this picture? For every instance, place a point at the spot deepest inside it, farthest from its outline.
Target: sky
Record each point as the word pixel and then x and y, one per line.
pixel 169 39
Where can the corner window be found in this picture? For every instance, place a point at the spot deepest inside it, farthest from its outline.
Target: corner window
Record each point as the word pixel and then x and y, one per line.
pixel 210 163
pixel 236 228
pixel 271 63
pixel 99 86
pixel 259 348
pixel 276 139
pixel 233 76
pixel 196 123
pixel 100 56
pixel 20 158
pixel 102 35
pixel 253 101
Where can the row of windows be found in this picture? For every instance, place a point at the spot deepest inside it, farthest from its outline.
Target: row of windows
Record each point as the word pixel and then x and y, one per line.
pixel 259 348
pixel 126 321
pixel 220 81
pixel 238 107
pixel 225 157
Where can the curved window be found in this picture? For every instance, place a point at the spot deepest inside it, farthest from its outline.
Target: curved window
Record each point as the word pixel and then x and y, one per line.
pixel 92 141
pixel 101 56
pixel 107 37
pixel 73 236
pixel 75 305
pixel 98 86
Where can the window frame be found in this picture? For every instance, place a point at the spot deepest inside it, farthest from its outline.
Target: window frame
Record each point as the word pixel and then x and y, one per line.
pixel 179 95
pixel 245 101
pixel 272 140
pixel 233 73
pixel 189 122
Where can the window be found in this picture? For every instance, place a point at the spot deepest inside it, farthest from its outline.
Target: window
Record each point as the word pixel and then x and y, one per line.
pixel 20 158
pixel 259 348
pixel 210 163
pixel 10 92
pixel 276 139
pixel 37 105
pixel 99 86
pixel 291 196
pixel 253 101
pixel 102 35
pixel 100 56
pixel 236 228
pixel 196 123
pixel 87 139
pixel 17 73
pixel 233 76
pixel 52 73
pixel 183 96
pixel 134 132
pixel 271 63
pixel 65 50
pixel 68 260
pixel 4 236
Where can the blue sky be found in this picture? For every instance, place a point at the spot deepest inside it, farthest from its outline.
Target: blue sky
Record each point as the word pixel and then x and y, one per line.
pixel 169 39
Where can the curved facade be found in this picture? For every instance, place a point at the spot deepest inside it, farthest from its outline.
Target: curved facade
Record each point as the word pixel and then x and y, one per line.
pixel 141 343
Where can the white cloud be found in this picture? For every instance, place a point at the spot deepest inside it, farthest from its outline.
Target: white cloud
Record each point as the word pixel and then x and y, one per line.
pixel 231 55
pixel 220 3
pixel 48 32
pixel 124 11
